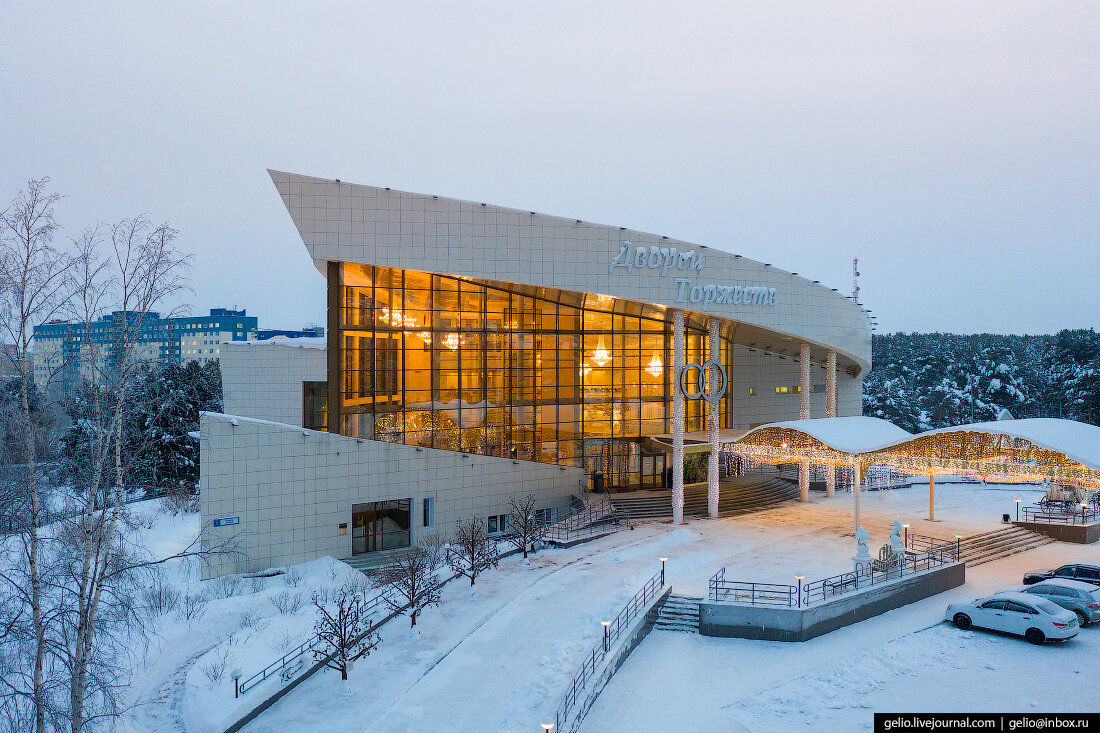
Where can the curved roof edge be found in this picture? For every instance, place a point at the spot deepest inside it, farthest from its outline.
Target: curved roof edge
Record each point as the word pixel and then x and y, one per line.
pixel 1078 441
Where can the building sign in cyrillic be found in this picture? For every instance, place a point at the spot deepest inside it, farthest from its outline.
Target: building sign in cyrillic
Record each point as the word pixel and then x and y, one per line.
pixel 669 260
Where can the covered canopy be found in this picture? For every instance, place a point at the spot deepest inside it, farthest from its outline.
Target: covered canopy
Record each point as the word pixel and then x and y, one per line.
pixel 1022 450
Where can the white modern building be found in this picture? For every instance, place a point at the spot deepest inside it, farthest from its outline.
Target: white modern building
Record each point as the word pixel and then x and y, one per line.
pixel 474 353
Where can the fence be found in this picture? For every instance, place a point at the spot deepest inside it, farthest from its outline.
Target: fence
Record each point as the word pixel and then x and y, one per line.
pixel 634 606
pixel 818 591
pixel 598 515
pixel 1044 516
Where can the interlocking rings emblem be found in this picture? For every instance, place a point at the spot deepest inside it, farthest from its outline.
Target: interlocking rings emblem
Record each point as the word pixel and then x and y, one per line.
pixel 704 393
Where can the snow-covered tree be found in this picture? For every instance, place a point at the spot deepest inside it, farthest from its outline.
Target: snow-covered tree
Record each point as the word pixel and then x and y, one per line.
pixel 345 633
pixel 471 552
pixel 410 580
pixel 524 529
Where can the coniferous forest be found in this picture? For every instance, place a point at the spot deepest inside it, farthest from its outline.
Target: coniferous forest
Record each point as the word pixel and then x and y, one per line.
pixel 922 381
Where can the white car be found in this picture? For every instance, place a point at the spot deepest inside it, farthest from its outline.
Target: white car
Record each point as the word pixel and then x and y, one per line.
pixel 1023 614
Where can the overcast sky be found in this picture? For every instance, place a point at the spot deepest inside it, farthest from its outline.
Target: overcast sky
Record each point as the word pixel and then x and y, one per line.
pixel 955 147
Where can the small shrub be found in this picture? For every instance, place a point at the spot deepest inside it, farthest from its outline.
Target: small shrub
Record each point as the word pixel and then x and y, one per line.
pixel 215 669
pixel 192 607
pixel 292 578
pixel 321 595
pixel 249 619
pixel 227 586
pixel 288 603
pixel 283 642
pixel 161 598
pixel 256 583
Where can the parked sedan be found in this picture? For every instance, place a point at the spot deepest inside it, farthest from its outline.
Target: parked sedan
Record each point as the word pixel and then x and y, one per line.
pixel 1086 572
pixel 1036 619
pixel 1073 595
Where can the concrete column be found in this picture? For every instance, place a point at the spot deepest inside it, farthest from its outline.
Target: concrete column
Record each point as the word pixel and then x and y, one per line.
pixel 931 498
pixel 830 411
pixel 857 472
pixel 712 420
pixel 804 414
pixel 677 418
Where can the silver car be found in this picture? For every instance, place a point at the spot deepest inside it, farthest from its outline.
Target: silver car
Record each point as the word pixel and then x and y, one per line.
pixel 1032 617
pixel 1081 598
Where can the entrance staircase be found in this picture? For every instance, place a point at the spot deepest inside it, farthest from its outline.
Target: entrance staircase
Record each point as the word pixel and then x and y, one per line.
pixel 998 543
pixel 736 495
pixel 680 613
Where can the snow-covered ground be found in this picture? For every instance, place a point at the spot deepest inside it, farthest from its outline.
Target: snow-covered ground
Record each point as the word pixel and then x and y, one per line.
pixel 499 659
pixel 903 661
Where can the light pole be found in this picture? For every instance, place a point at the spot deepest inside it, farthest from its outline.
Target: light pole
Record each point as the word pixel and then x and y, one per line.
pixel 958 546
pixel 1017 509
pixel 906 540
pixel 799 577
pixel 663 561
pixel 236 675
pixel 1084 508
pixel 548 727
pixel 606 636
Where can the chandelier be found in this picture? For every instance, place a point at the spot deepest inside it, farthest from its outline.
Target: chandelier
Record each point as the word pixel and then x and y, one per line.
pixel 655 367
pixel 601 356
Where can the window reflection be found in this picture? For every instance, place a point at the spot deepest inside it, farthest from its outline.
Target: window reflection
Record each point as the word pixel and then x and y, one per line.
pixel 443 362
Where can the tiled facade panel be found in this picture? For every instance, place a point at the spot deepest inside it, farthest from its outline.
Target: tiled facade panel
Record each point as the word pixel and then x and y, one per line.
pixel 765 374
pixel 263 379
pixel 292 488
pixel 353 223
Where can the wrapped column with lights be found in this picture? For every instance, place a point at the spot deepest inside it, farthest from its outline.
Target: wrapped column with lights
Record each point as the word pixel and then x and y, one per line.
pixel 857 475
pixel 677 418
pixel 712 421
pixel 830 411
pixel 804 414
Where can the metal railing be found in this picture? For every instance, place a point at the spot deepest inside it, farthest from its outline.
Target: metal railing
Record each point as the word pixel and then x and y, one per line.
pixel 600 651
pixel 927 543
pixel 285 666
pixel 817 591
pixel 1044 516
pixel 597 515
pixel 756 594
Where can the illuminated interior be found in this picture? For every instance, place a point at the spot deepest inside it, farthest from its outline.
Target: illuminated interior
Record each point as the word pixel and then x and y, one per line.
pixel 511 371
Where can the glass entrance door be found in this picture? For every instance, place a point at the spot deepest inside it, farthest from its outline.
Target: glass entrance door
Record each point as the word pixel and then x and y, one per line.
pixel 380 525
pixel 653 470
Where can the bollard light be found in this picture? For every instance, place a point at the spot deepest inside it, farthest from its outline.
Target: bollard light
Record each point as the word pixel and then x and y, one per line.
pixel 606 636
pixel 548 727
pixel 906 540
pixel 800 577
pixel 1084 509
pixel 236 675
pixel 1017 509
pixel 958 546
pixel 663 561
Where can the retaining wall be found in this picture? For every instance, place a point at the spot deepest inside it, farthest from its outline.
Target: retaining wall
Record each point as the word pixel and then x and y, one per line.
pixel 1082 534
pixel 801 624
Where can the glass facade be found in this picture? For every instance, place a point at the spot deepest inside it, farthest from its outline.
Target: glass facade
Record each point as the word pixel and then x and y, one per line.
pixel 509 371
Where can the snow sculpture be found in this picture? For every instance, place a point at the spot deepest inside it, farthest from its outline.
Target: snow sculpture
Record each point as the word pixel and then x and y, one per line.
pixel 861 562
pixel 895 538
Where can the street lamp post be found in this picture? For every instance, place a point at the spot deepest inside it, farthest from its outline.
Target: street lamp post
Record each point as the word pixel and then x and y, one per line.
pixel 606 636
pixel 958 546
pixel 1084 509
pixel 799 577
pixel 1017 509
pixel 548 727
pixel 236 675
pixel 663 561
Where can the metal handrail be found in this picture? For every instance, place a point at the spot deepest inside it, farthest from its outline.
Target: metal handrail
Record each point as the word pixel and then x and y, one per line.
pixel 756 594
pixel 818 591
pixel 1043 516
pixel 597 654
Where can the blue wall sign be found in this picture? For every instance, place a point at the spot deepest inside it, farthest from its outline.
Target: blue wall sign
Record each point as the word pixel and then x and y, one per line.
pixel 226 521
